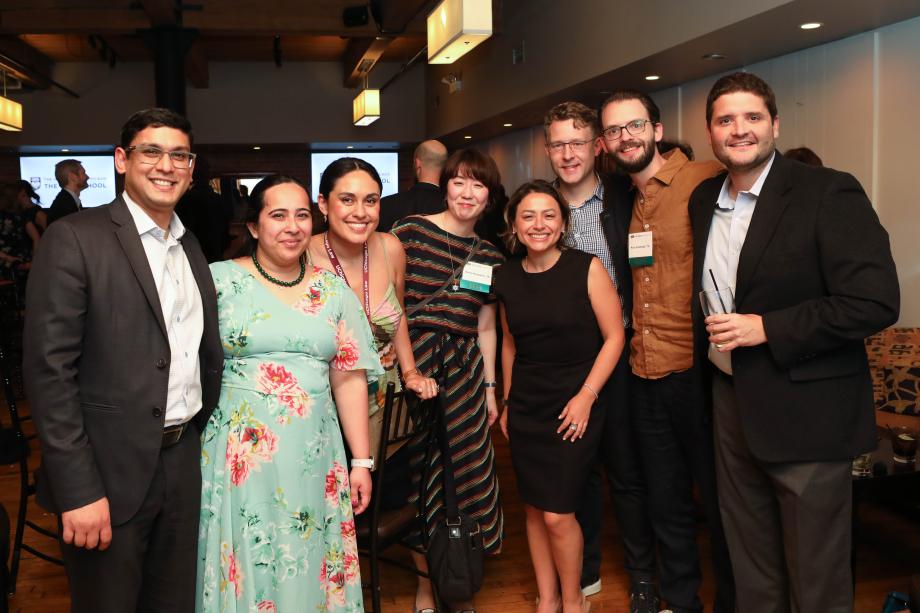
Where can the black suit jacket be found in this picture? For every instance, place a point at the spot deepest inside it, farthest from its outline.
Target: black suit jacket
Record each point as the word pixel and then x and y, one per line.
pixel 62 205
pixel 420 199
pixel 817 265
pixel 96 360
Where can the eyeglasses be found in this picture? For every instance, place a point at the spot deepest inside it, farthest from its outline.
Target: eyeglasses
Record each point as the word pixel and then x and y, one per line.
pixel 577 146
pixel 634 127
pixel 153 155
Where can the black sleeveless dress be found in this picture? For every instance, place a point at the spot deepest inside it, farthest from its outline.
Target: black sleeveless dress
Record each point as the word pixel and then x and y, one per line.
pixel 557 339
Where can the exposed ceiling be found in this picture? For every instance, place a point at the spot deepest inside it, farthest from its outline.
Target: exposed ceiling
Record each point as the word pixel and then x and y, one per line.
pixel 34 34
pixel 767 35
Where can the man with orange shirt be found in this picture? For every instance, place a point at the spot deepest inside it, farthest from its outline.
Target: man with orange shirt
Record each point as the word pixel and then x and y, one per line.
pixel 672 425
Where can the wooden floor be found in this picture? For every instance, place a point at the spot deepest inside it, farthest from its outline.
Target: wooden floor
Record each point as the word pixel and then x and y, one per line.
pixel 888 553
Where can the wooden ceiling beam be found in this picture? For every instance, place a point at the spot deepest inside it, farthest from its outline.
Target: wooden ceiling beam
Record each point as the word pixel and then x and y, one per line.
pixel 65 21
pixel 196 67
pixel 360 56
pixel 162 13
pixel 28 63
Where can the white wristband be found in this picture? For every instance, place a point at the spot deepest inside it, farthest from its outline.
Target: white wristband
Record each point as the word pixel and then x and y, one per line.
pixel 363 463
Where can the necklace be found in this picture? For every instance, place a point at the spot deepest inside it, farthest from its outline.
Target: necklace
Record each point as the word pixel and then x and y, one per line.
pixel 303 270
pixel 341 272
pixel 450 256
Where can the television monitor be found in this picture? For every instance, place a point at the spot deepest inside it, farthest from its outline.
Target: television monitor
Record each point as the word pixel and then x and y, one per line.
pixel 386 163
pixel 250 182
pixel 39 171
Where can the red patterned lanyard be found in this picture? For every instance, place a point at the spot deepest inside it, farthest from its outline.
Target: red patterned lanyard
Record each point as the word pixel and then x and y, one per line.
pixel 341 272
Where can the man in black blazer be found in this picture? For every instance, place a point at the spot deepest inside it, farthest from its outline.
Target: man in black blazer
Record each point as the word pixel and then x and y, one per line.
pixel 72 178
pixel 423 198
pixel 122 369
pixel 812 274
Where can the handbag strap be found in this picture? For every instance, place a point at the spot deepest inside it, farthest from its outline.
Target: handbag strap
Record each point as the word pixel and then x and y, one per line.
pixel 451 508
pixel 451 279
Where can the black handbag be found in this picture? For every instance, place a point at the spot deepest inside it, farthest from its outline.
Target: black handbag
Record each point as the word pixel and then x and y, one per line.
pixel 455 553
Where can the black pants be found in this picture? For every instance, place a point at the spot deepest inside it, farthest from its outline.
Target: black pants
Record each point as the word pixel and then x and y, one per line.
pixel 674 432
pixel 618 455
pixel 787 523
pixel 152 561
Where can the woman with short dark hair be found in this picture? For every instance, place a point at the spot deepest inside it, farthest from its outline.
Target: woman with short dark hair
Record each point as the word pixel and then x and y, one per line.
pixel 451 314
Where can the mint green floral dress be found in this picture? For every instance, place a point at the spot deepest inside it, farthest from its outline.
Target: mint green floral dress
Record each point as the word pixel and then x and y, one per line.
pixel 277 532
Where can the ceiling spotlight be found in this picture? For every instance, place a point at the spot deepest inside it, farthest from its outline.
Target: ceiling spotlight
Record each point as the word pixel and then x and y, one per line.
pixel 256 148
pixel 468 137
pixel 507 125
pixel 811 25
pixel 714 56
pixel 65 150
pixel 652 77
pixel 350 147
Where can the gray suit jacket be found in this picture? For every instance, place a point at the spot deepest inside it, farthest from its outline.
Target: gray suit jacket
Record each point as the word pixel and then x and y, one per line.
pixel 96 360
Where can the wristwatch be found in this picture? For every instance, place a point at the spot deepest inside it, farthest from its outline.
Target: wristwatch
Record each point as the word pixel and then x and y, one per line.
pixel 363 463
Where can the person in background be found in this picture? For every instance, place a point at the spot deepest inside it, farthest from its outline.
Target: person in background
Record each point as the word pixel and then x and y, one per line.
pixel 451 313
pixel 804 155
pixel 201 210
pixel 18 235
pixel 599 225
pixel 122 370
pixel 812 275
pixel 349 200
pixel 423 198
pixel 277 530
pixel 560 344
pixel 72 178
pixel 30 204
pixel 670 414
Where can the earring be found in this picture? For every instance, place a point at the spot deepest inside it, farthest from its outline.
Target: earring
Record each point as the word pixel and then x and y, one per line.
pixel 325 219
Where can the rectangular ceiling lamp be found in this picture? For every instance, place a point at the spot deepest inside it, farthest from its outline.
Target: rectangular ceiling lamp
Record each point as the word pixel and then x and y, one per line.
pixel 10 115
pixel 455 27
pixel 366 107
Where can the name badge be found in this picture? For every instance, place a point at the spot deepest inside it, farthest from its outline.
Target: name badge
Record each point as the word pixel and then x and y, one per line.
pixel 640 249
pixel 477 277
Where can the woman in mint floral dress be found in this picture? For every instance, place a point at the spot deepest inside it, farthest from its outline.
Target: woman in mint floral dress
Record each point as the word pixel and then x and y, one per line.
pixel 277 529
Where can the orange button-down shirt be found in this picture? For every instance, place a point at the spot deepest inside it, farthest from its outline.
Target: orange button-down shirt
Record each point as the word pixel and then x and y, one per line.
pixel 663 339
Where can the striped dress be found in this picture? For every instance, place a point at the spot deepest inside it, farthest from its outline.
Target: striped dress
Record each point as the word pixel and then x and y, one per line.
pixel 445 343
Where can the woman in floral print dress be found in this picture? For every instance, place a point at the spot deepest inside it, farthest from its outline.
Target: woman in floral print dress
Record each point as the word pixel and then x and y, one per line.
pixel 277 529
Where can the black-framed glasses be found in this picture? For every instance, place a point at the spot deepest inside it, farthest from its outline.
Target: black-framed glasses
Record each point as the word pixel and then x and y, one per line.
pixel 576 146
pixel 634 127
pixel 152 155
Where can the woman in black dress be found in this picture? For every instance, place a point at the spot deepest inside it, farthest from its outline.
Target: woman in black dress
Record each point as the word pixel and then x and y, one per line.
pixel 562 337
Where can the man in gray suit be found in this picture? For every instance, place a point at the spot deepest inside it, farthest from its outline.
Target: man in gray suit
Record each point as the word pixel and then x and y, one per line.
pixel 122 369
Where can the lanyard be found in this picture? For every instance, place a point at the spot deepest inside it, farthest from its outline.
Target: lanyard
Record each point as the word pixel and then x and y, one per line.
pixel 341 272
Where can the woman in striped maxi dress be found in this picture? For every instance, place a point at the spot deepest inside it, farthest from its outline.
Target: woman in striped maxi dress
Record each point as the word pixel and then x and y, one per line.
pixel 454 341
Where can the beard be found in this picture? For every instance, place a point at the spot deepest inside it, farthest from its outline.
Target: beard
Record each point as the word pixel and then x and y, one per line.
pixel 638 164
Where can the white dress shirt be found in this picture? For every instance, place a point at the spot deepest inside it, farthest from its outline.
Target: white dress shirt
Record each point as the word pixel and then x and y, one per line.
pixel 730 222
pixel 182 310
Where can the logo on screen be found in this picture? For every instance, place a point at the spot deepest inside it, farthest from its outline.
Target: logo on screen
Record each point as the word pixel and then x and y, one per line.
pixel 36 182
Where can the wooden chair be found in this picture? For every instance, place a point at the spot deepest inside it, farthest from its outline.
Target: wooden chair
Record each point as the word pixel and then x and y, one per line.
pixel 407 422
pixel 26 484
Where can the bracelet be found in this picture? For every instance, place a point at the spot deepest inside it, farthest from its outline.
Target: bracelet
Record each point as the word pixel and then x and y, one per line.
pixel 409 372
pixel 489 384
pixel 588 387
pixel 367 463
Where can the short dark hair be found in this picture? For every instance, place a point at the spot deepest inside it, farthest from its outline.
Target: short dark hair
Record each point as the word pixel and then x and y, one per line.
pixel 256 199
pixel 622 95
pixel 741 82
pixel 63 169
pixel 341 167
pixel 154 118
pixel 473 163
pixel 804 155
pixel 581 116
pixel 536 186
